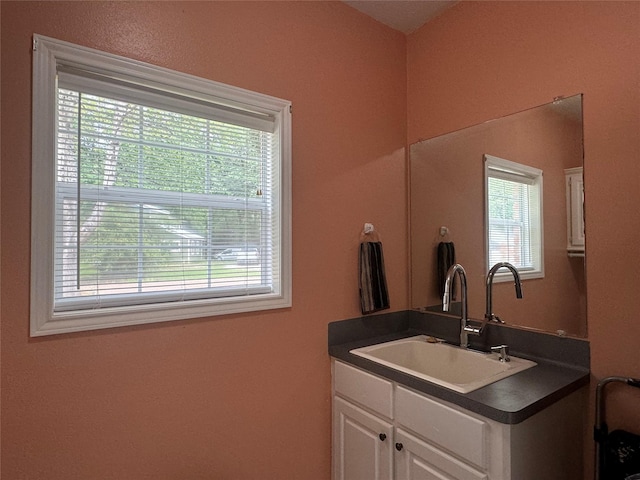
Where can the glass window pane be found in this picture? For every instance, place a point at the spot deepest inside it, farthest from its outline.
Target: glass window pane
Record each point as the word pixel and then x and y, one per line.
pixel 152 211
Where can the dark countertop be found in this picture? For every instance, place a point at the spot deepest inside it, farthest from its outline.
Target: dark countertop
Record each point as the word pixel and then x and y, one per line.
pixel 562 363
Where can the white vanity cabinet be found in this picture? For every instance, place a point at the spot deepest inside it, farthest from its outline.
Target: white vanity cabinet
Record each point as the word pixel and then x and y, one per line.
pixel 438 441
pixel 383 430
pixel 574 184
pixel 362 428
pixel 364 443
pixel 419 460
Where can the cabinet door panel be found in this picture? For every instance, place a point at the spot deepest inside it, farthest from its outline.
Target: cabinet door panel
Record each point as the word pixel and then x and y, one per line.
pixel 450 428
pixel 363 388
pixel 362 444
pixel 419 460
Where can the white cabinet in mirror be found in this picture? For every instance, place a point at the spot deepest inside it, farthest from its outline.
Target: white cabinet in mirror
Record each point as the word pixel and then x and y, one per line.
pixel 575 211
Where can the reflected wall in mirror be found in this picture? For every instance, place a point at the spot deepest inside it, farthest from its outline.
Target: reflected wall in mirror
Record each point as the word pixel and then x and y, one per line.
pixel 447 189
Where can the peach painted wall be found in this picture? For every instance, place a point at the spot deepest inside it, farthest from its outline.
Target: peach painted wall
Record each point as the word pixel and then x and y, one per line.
pixel 234 397
pixel 483 60
pixel 447 188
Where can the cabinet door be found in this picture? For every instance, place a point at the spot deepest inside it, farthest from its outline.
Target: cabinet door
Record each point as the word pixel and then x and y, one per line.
pixel 575 210
pixel 419 460
pixel 362 444
pixel 450 429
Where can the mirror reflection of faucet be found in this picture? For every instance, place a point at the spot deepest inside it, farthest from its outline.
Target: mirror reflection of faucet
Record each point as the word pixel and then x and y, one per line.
pixel 465 328
pixel 489 316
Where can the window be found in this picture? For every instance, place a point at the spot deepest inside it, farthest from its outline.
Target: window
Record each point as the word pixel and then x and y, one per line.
pixel 514 217
pixel 156 195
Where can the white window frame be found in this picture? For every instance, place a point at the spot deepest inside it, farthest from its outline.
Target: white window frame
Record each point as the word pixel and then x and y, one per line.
pixel 496 167
pixel 50 55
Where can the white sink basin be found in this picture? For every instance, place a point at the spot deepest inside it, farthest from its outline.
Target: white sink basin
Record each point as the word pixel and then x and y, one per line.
pixel 446 365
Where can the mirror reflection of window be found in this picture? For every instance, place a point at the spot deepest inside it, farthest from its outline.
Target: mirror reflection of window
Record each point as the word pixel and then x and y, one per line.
pixel 513 199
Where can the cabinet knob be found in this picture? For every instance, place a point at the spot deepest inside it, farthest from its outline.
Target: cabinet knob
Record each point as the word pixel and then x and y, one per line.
pixel 383 436
pixel 399 446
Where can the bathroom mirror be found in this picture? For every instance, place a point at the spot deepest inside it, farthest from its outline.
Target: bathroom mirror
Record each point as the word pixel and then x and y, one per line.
pixel 447 195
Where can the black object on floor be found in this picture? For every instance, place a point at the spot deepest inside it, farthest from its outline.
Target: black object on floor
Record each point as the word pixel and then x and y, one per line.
pixel 618 452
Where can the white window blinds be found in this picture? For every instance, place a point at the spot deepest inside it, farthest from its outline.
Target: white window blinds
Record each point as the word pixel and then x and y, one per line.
pixel 163 195
pixel 146 199
pixel 514 213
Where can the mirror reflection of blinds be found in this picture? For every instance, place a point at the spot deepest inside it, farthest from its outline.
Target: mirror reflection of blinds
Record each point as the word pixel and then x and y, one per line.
pixel 509 222
pixel 514 214
pixel 150 190
pixel 504 173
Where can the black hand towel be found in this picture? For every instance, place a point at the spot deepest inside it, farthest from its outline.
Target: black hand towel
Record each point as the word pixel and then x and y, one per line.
pixel 372 281
pixel 446 258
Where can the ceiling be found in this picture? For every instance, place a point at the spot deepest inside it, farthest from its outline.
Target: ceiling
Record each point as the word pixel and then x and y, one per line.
pixel 403 15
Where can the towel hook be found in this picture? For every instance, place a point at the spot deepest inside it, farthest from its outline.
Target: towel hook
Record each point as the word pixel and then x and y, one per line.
pixel 369 234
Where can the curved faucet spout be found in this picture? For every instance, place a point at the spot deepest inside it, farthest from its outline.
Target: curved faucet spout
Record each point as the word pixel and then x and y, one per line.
pixel 457 269
pixel 489 316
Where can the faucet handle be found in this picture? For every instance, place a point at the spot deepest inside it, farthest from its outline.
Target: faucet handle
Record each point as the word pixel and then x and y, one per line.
pixel 503 351
pixel 497 319
pixel 493 318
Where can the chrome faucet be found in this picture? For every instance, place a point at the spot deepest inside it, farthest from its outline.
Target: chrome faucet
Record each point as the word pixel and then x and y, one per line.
pixel 503 352
pixel 465 329
pixel 489 316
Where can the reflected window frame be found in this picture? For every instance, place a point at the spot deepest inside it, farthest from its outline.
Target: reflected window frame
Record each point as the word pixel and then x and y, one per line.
pixel 518 215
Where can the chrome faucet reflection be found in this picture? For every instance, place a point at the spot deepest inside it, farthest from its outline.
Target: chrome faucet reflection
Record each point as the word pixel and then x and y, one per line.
pixel 465 329
pixel 489 316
